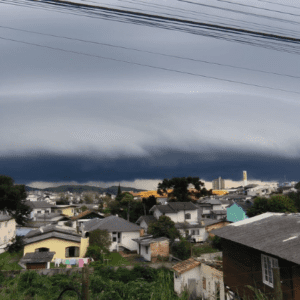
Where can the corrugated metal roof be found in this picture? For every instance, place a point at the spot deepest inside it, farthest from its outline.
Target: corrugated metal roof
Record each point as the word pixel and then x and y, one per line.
pixel 146 241
pixel 269 233
pixel 49 235
pixel 4 218
pixel 39 204
pixel 111 223
pixel 188 225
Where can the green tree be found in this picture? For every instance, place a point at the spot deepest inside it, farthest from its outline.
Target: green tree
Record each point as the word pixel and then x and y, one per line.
pixel 17 244
pixel 83 208
pixel 148 203
pixel 88 198
pixel 63 199
pixel 164 227
pixel 295 196
pixel 181 249
pixel 12 200
pixel 100 238
pixel 276 203
pixel 180 188
pixel 119 194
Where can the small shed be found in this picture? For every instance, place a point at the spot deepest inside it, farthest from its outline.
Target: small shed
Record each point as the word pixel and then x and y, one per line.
pixel 37 260
pixel 150 248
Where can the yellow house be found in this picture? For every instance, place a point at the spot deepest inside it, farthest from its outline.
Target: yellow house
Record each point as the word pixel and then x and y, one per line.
pixel 67 210
pixel 7 231
pixel 219 192
pixel 65 242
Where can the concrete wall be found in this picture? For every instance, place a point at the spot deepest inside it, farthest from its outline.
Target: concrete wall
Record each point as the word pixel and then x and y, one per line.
pixel 147 256
pixel 212 255
pixel 179 216
pixel 144 225
pixel 7 233
pixel 181 282
pixel 157 213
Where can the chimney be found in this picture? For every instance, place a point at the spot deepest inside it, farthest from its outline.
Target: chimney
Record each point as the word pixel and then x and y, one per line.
pixel 142 232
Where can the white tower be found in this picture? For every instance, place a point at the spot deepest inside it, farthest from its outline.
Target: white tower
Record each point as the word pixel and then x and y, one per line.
pixel 245 178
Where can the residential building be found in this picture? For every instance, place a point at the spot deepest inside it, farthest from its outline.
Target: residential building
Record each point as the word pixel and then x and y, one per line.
pixel 85 216
pixel 218 184
pixel 39 207
pixel 238 210
pixel 121 232
pixel 150 248
pixel 144 222
pixel 7 231
pixel 64 241
pixel 254 246
pixel 200 278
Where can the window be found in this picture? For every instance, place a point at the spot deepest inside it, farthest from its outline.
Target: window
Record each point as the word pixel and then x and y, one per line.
pixel 114 239
pixel 268 263
pixel 147 248
pixel 177 276
pixel 187 216
pixel 204 283
pixel 72 252
pixel 197 232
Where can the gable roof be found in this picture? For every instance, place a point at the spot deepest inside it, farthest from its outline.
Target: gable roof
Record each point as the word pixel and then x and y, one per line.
pixel 39 204
pixel 212 201
pixel 147 240
pixel 147 219
pixel 4 218
pixel 51 231
pixel 186 265
pixel 55 215
pixel 86 213
pixel 37 257
pixel 273 233
pixel 111 223
pixel 174 207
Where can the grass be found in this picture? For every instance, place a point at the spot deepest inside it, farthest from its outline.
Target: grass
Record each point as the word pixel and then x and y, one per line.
pixel 116 259
pixel 203 249
pixel 10 261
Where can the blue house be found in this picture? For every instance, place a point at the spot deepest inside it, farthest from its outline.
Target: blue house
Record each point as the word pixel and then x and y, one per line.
pixel 238 211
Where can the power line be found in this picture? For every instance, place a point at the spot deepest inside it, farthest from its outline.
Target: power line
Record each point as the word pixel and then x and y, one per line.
pixel 284 5
pixel 150 66
pixel 150 52
pixel 219 32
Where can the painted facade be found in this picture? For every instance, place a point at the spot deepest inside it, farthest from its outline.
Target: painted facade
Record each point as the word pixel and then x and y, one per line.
pixel 58 246
pixel 235 213
pixel 124 239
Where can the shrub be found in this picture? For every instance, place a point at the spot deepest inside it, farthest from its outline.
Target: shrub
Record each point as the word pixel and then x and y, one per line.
pixel 145 272
pixel 216 242
pixel 124 275
pixel 95 252
pixel 17 244
pixel 181 249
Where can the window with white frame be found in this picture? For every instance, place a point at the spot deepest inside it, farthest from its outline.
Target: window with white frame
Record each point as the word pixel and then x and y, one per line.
pixel 267 264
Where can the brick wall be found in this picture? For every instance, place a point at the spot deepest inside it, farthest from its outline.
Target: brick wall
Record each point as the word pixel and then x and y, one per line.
pixel 142 232
pixel 159 248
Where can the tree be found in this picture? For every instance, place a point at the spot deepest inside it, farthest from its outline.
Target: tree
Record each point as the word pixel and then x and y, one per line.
pixel 63 199
pixel 17 244
pixel 296 199
pixel 181 249
pixel 276 203
pixel 119 194
pixel 88 198
pixel 180 191
pixel 148 203
pixel 83 208
pixel 100 238
pixel 12 200
pixel 164 227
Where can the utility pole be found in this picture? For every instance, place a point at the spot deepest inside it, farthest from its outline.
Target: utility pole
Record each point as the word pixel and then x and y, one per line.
pixel 277 284
pixel 85 283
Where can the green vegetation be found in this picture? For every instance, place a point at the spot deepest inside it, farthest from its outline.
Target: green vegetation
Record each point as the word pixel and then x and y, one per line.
pixel 180 188
pixel 203 249
pixel 181 249
pixel 276 203
pixel 9 261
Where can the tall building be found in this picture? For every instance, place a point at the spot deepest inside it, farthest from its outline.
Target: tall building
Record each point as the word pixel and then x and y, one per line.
pixel 245 178
pixel 218 184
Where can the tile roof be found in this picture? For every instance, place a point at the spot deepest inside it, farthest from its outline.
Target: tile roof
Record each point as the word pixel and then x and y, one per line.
pixel 212 201
pixel 219 212
pixel 273 233
pixel 174 207
pixel 85 213
pixel 111 223
pixel 208 222
pixel 5 218
pixel 147 219
pixel 37 257
pixel 51 231
pixel 188 225
pixel 49 216
pixel 186 265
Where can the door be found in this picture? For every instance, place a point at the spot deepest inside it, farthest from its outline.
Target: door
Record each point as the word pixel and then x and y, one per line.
pixel 119 237
pixel 37 266
pixel 192 289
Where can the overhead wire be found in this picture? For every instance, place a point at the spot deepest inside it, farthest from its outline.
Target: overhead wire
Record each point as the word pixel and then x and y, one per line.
pixel 147 51
pixel 149 66
pixel 264 40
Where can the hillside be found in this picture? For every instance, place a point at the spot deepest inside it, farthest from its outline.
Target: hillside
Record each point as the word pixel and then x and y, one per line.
pixel 84 188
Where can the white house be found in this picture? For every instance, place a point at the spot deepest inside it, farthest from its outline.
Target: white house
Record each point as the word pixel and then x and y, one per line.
pixel 200 278
pixel 121 232
pixel 144 222
pixel 39 207
pixel 7 231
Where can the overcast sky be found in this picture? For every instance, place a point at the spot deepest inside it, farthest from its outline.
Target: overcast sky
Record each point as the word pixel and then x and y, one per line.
pixel 72 118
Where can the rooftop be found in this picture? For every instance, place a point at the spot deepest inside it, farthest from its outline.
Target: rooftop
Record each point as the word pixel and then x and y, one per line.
pixel 186 265
pixel 174 207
